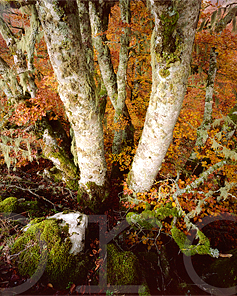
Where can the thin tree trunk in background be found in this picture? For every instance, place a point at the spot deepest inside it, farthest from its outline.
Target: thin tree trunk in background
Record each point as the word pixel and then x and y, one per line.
pixel 122 74
pixel 115 85
pixel 202 134
pixel 171 48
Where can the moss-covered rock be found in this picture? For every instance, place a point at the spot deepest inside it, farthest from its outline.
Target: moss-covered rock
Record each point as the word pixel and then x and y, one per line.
pixel 8 205
pixel 123 267
pixel 13 204
pixel 62 267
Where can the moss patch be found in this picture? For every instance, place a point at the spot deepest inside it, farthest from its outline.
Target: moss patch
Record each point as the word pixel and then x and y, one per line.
pixel 30 206
pixel 202 248
pixel 62 267
pixel 8 205
pixel 123 267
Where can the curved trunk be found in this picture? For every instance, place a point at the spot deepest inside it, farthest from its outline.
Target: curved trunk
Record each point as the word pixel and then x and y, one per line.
pixel 171 48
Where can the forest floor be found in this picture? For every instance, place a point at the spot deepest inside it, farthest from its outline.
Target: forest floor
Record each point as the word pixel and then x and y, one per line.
pixel 27 182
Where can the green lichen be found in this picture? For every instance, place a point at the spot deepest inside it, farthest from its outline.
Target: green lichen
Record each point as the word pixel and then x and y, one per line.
pixel 123 267
pixel 202 248
pixel 152 218
pixel 164 73
pixel 62 267
pixel 9 205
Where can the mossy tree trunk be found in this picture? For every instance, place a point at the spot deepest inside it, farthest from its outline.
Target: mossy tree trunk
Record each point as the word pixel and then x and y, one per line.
pixel 171 48
pixel 61 25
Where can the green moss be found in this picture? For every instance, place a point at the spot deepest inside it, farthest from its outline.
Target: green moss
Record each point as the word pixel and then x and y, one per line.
pixel 152 218
pixel 166 211
pixel 147 219
pixel 9 205
pixel 123 267
pixel 62 267
pixel 169 21
pixel 144 291
pixel 202 248
pixel 170 49
pixel 29 206
pixel 59 175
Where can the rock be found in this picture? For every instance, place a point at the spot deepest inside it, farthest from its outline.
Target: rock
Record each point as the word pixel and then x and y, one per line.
pixel 78 224
pixel 66 261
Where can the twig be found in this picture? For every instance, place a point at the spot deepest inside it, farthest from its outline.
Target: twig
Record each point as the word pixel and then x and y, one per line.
pixel 27 189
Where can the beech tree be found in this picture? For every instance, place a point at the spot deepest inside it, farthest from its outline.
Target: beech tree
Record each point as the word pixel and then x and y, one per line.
pixel 171 48
pixel 71 28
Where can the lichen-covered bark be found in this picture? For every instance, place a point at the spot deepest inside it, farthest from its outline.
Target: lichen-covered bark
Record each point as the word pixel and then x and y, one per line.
pixel 115 85
pixel 171 48
pixel 122 73
pixel 60 22
pixel 85 26
pixel 33 35
pixel 99 22
pixel 207 117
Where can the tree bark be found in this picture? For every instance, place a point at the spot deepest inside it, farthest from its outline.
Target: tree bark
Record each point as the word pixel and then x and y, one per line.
pixel 122 74
pixel 60 22
pixel 115 84
pixel 207 117
pixel 171 48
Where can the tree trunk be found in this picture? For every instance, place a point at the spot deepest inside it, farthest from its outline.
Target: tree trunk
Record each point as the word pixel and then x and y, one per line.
pixel 115 85
pixel 60 22
pixel 171 48
pixel 207 117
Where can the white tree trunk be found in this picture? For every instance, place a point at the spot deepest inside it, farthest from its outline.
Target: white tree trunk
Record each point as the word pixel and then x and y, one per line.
pixel 171 48
pixel 60 22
